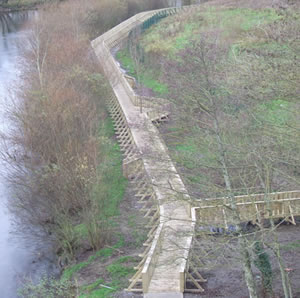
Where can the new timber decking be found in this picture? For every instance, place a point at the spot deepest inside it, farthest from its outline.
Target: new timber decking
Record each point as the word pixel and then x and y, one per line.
pixel 163 270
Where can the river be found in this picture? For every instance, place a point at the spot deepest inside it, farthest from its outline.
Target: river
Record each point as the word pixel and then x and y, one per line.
pixel 17 258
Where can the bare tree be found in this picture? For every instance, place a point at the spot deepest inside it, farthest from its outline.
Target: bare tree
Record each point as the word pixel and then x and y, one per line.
pixel 208 106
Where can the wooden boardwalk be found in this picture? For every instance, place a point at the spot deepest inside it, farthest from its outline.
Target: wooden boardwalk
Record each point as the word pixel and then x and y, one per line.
pixel 163 270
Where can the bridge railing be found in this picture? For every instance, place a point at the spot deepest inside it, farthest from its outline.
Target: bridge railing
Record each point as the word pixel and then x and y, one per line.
pixel 254 207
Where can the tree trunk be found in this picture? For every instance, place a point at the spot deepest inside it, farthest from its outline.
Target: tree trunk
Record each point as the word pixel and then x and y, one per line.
pixel 250 281
pixel 248 270
pixel 265 183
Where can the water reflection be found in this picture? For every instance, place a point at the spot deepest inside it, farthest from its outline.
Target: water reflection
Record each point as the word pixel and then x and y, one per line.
pixel 12 22
pixel 10 31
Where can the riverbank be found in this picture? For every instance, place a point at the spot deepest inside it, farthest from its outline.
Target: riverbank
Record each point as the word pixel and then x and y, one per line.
pixel 73 184
pixel 19 257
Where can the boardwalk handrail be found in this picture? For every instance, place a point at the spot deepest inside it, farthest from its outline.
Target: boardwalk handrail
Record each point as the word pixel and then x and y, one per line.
pixel 254 207
pixel 151 260
pixel 250 197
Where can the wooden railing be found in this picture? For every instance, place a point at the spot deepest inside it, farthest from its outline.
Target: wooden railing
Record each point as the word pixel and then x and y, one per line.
pixel 254 208
pixel 152 257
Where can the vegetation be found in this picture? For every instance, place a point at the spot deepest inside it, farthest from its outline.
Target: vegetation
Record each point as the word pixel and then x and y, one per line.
pixel 232 74
pixel 105 14
pixel 262 262
pixel 48 287
pixel 60 177
pixel 115 278
pixel 67 178
pixel 148 76
pixel 252 43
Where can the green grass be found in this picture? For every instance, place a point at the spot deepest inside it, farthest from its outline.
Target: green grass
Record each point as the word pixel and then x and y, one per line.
pixel 149 80
pixel 275 112
pixel 93 286
pixel 69 272
pixel 183 38
pixel 292 246
pixel 81 231
pixel 175 33
pixel 170 36
pixel 118 272
pixel 110 190
pixel 242 18
pixel 149 77
pixel 187 147
pixel 99 255
pixel 103 254
pixel 98 293
pixel 127 62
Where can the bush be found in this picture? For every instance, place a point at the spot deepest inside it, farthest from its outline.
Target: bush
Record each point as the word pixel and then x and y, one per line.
pixel 57 127
pixel 48 288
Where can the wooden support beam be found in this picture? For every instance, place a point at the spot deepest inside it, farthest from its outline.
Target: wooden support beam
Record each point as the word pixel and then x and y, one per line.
pixel 195 283
pixel 292 220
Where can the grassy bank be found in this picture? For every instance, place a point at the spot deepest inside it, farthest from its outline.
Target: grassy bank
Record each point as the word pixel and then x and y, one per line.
pixel 103 272
pixel 252 60
pixel 146 76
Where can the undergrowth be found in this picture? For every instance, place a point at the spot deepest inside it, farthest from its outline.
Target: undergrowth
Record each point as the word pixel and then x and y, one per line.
pixel 117 274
